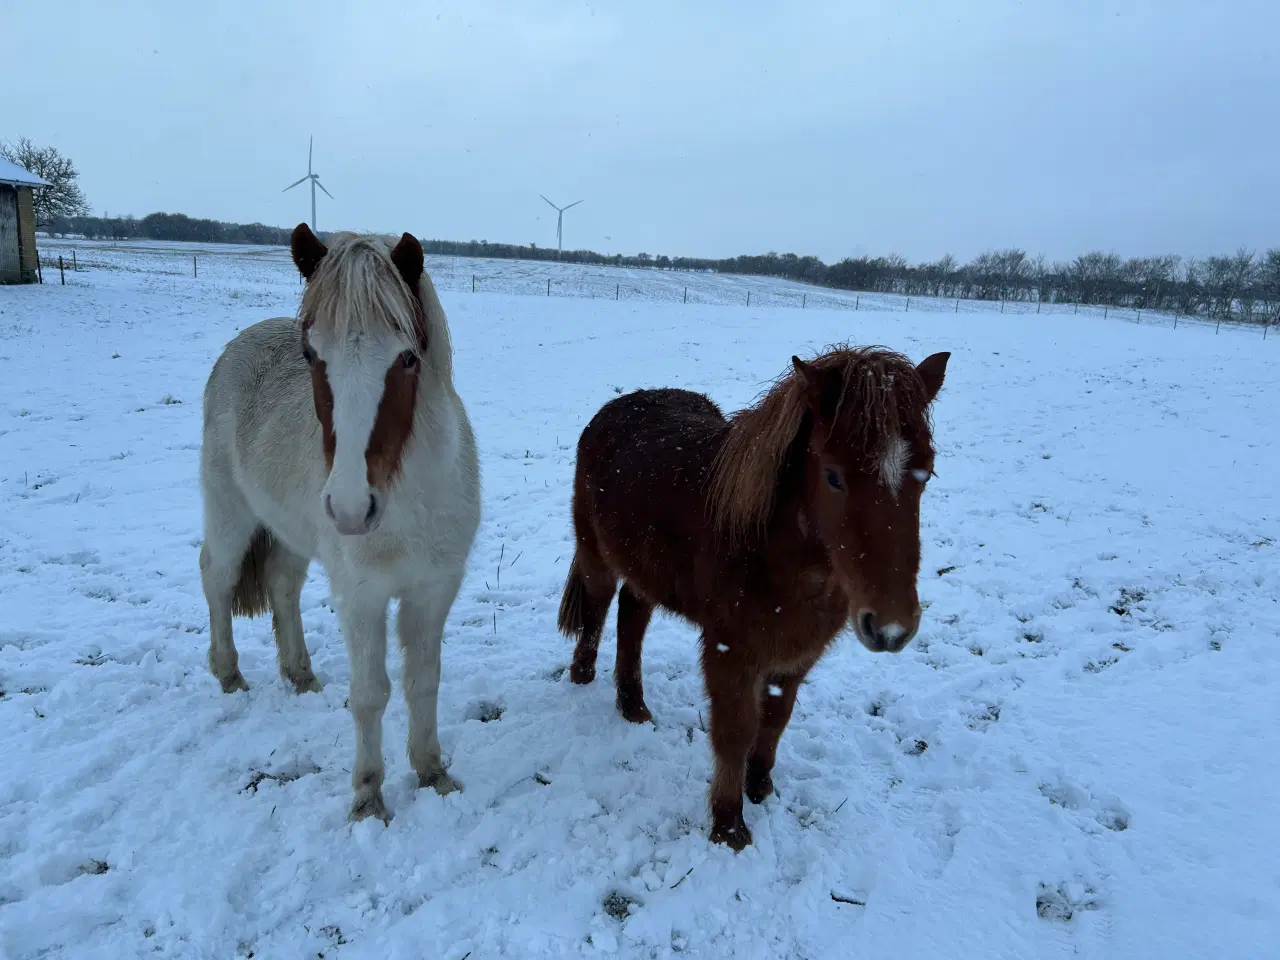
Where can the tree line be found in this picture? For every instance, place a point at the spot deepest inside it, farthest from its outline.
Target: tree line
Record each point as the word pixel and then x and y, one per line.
pixel 1244 285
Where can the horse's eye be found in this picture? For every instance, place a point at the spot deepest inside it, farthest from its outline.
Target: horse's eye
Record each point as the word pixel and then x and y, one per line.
pixel 408 359
pixel 308 355
pixel 833 480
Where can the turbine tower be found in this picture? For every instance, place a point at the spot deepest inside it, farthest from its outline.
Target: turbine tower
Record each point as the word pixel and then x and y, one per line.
pixel 315 182
pixel 559 221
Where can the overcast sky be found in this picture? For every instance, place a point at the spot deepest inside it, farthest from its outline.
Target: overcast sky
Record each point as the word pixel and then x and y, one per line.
pixel 714 128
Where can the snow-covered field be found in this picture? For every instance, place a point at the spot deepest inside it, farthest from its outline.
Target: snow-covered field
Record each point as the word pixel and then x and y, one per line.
pixel 1076 758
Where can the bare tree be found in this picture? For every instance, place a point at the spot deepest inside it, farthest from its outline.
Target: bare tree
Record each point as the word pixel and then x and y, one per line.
pixel 63 197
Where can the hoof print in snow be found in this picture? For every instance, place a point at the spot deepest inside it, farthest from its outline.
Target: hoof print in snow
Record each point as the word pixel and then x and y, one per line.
pixel 980 721
pixel 94 868
pixel 1061 903
pixel 333 933
pixel 486 711
pixel 1127 600
pixel 618 905
pixel 913 748
pixel 1097 666
pixel 92 660
pixel 259 777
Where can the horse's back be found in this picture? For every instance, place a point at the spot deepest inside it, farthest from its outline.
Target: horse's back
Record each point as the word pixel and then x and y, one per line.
pixel 644 465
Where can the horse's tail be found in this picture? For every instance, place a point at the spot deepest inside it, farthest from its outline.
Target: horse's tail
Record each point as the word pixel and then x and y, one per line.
pixel 573 603
pixel 249 597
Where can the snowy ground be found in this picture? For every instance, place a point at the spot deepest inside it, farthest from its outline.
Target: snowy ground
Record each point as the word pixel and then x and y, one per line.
pixel 1076 757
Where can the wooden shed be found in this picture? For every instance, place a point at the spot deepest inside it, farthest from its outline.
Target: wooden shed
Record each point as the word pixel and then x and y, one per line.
pixel 18 257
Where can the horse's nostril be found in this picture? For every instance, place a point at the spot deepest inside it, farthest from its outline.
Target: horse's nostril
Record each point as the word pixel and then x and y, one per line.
pixel 373 510
pixel 328 508
pixel 868 625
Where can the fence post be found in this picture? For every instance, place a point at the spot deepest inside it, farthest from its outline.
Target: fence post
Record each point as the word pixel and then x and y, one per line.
pixel 1264 329
pixel 957 304
pixel 195 270
pixel 907 308
pixel 748 298
pixel 61 272
pixel 75 265
pixel 1002 306
pixel 804 298
pixel 1175 321
pixel 1105 311
pixel 1217 327
pixel 856 301
pixel 617 291
pixel 1077 309
pixel 686 294
pixel 548 286
pixel 473 283
pixel 1139 316
pixel 1037 307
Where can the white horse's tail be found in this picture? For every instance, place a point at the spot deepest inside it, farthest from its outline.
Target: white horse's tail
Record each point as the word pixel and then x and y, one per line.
pixel 249 598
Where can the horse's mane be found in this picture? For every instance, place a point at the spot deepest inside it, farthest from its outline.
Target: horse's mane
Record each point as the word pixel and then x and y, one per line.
pixel 881 398
pixel 356 284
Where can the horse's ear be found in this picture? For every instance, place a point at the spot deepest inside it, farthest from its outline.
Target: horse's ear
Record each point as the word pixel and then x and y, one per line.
pixel 933 370
pixel 307 250
pixel 407 256
pixel 814 382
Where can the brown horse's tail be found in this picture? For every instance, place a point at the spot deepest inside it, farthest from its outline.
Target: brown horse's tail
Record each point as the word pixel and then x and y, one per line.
pixel 249 597
pixel 573 603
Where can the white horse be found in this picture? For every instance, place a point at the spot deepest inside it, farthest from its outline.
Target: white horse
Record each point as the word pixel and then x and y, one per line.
pixel 338 436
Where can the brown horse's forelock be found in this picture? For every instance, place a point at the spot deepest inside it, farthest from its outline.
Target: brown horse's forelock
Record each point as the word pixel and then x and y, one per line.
pixel 881 397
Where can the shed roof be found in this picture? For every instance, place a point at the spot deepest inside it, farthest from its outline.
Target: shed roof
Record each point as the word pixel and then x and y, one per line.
pixel 11 173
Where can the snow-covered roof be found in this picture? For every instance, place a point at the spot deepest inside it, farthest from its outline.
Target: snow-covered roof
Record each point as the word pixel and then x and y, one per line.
pixel 13 174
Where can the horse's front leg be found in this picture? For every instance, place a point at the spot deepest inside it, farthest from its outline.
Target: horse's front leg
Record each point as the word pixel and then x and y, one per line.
pixel 420 625
pixel 364 628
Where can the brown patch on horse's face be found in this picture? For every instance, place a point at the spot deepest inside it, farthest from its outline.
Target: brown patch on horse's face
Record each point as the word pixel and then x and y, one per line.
pixel 321 395
pixel 394 419
pixel 394 422
pixel 865 511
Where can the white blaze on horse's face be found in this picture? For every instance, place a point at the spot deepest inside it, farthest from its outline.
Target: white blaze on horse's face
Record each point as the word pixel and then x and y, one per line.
pixel 362 373
pixel 363 336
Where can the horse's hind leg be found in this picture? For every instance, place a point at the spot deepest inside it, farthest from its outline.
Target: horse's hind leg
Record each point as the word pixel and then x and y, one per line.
pixel 226 559
pixel 778 697
pixel 634 613
pixel 588 591
pixel 285 573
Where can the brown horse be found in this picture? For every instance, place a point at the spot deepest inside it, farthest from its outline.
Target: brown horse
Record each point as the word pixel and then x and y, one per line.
pixel 770 531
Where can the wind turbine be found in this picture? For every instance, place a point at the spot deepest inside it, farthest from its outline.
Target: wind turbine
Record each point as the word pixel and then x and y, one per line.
pixel 315 182
pixel 559 220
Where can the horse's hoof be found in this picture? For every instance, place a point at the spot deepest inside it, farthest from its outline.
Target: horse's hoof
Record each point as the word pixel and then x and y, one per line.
pixel 304 682
pixel 441 783
pixel 370 806
pixel 733 834
pixel 758 790
pixel 633 711
pixel 579 673
pixel 233 683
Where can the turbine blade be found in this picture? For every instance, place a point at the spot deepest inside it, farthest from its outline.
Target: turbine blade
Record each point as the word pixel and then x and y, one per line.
pixel 574 204
pixel 295 183
pixel 552 205
pixel 310 145
pixel 321 186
